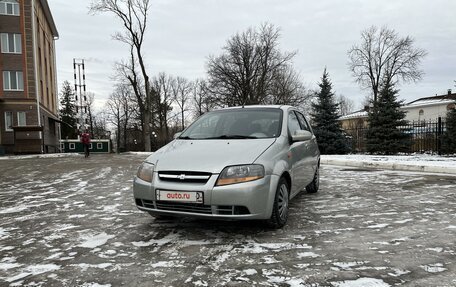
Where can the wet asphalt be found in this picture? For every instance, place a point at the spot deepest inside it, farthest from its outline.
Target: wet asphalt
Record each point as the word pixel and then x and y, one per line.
pixel 72 221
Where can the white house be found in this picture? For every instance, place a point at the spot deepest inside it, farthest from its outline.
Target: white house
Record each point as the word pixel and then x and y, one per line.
pixel 430 108
pixel 423 109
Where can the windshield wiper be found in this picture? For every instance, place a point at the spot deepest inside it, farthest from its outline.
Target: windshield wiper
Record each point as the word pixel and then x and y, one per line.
pixel 185 138
pixel 232 137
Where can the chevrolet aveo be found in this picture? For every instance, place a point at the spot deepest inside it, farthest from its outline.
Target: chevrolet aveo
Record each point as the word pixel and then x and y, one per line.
pixel 234 163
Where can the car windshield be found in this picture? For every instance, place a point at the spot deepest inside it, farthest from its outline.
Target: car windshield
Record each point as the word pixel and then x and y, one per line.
pixel 242 123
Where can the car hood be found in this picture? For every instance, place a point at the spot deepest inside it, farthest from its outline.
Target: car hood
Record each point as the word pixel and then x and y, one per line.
pixel 208 155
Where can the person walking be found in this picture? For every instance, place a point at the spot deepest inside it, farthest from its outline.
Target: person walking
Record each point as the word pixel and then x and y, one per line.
pixel 85 140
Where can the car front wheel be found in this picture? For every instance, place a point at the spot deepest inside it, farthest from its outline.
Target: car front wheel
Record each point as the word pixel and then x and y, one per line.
pixel 315 184
pixel 280 208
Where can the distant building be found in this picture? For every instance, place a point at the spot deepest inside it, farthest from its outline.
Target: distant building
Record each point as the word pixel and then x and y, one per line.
pixel 430 108
pixel 422 109
pixel 28 88
pixel 354 120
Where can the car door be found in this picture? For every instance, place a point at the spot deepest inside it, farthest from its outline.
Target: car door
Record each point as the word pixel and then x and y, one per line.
pixel 296 153
pixel 310 156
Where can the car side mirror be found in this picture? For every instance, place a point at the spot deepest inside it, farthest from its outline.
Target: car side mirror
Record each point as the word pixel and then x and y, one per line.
pixel 176 135
pixel 301 135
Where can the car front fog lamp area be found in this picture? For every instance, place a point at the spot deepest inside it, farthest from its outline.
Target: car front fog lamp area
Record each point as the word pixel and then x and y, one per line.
pixel 240 173
pixel 145 171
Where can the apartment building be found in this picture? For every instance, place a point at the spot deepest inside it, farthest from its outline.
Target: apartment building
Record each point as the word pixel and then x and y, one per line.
pixel 28 88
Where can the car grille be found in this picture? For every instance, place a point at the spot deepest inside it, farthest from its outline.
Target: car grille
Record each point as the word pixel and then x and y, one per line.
pixel 185 207
pixel 193 207
pixel 184 176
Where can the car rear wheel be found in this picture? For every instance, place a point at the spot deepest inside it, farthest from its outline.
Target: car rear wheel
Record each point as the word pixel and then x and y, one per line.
pixel 279 215
pixel 315 184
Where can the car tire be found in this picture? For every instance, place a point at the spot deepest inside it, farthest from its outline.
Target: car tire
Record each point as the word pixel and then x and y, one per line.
pixel 315 184
pixel 279 215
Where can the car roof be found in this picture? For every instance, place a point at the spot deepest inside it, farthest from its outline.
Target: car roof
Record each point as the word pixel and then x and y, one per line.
pixel 283 107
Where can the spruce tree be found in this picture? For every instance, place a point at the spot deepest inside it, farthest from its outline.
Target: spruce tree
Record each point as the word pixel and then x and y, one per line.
pixel 67 111
pixel 385 118
pixel 449 137
pixel 325 121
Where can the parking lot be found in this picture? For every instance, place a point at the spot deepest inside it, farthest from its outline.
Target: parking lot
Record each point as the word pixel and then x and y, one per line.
pixel 70 221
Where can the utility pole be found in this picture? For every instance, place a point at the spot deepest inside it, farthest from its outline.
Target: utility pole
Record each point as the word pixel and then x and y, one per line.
pixel 80 94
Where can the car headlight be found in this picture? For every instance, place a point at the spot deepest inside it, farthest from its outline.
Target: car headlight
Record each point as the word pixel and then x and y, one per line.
pixel 146 171
pixel 240 173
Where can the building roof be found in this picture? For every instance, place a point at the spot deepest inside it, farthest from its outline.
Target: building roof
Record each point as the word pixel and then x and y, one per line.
pixel 449 98
pixel 354 115
pixel 48 14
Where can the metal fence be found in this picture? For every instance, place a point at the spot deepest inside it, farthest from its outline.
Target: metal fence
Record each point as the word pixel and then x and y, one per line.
pixel 425 136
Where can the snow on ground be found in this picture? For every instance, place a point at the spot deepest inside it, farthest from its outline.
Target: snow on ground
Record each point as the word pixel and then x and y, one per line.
pixel 70 221
pixel 415 162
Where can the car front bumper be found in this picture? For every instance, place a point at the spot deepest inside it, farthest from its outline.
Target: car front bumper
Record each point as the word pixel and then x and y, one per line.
pixel 248 200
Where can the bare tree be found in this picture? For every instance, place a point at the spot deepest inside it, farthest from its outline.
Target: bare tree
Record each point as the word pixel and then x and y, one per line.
pixel 90 110
pixel 120 109
pixel 162 99
pixel 248 67
pixel 383 57
pixel 202 101
pixel 133 15
pixel 346 105
pixel 181 89
pixel 288 89
pixel 100 130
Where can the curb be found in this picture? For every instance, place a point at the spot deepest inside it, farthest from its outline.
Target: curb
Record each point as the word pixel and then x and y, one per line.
pixel 390 165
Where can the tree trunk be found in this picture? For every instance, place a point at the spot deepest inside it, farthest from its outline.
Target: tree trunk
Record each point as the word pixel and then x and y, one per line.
pixel 146 131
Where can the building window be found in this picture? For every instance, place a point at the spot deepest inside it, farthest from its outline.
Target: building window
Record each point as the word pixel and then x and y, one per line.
pixel 421 113
pixel 11 43
pixel 99 145
pixel 9 7
pixel 9 121
pixel 72 146
pixel 21 119
pixel 13 81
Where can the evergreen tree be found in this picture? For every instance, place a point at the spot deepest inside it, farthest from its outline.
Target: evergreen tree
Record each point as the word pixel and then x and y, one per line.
pixel 385 118
pixel 67 112
pixel 449 137
pixel 325 117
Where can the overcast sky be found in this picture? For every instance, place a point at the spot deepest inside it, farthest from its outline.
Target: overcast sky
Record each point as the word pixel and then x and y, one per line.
pixel 182 34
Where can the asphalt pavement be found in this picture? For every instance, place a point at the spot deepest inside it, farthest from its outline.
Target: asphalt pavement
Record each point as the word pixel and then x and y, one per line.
pixel 70 221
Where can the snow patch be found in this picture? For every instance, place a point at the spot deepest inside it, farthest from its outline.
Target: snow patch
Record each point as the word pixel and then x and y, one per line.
pixel 382 225
pixel 33 270
pixel 436 249
pixel 14 209
pixel 8 265
pixel 85 266
pixel 307 254
pixel 361 282
pixel 250 272
pixel 95 285
pixel 166 264
pixel 349 265
pixel 403 221
pixel 433 268
pixel 92 241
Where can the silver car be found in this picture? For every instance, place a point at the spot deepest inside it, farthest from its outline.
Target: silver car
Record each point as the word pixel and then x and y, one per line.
pixel 234 163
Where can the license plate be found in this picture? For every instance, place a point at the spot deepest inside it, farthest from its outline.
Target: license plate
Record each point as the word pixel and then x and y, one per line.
pixel 179 196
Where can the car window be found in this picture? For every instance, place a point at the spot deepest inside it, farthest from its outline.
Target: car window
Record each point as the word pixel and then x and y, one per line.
pixel 293 123
pixel 303 122
pixel 236 123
